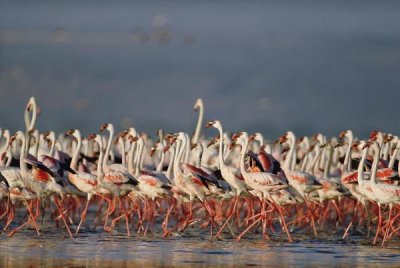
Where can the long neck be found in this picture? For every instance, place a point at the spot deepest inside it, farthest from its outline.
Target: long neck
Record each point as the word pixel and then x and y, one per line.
pixel 347 162
pixel 171 163
pixel 53 144
pixel 199 155
pixel 393 157
pixel 6 144
pixel 242 156
pixel 22 156
pixel 360 169
pixel 386 147
pixel 100 172
pixel 305 161
pixel 108 149
pixel 221 148
pixel 375 163
pixel 294 159
pixel 226 151
pixel 197 133
pixel 315 160
pixel 121 143
pixel 37 144
pixel 139 153
pixel 30 123
pixel 328 161
pixel 177 165
pixel 131 159
pixel 187 150
pixel 142 155
pixel 290 154
pixel 161 163
pixel 74 161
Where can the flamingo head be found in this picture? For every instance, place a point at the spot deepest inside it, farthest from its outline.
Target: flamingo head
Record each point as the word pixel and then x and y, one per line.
pixel 198 104
pixel 103 127
pixel 133 139
pixel 283 138
pixel 210 124
pixel 374 135
pixel 342 134
pixel 154 149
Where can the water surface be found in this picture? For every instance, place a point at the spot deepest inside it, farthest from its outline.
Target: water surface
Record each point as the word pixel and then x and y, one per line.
pixel 96 248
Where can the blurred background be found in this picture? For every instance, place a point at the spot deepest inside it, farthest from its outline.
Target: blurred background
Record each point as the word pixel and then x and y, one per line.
pixel 269 66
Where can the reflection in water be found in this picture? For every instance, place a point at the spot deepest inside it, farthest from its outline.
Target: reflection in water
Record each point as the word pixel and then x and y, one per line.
pixel 101 249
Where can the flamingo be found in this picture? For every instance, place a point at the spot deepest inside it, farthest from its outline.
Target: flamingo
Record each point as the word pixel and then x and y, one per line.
pixel 261 182
pixel 231 175
pixel 303 182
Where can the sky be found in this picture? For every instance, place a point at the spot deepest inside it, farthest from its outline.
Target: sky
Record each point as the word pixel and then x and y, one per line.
pixel 267 66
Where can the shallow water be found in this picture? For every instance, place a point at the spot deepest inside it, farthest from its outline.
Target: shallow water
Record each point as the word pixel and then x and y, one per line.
pixel 97 248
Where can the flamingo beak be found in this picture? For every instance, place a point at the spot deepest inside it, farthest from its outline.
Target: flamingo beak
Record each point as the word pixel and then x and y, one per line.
pixel 210 124
pixel 342 134
pixel 103 127
pixel 152 151
pixel 282 139
pixel 91 137
pixel 133 139
pixel 12 139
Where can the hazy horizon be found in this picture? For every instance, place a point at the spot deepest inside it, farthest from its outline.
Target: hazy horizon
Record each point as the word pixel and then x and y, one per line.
pixel 259 66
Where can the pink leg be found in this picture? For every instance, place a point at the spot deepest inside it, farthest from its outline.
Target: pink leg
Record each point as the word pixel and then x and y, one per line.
pixel 83 215
pixel 378 229
pixel 229 217
pixel 62 216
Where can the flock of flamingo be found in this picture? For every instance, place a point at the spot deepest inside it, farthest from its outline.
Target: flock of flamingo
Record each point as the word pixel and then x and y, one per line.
pixel 232 185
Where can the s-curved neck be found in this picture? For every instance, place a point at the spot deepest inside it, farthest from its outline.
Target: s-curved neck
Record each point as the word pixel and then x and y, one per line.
pixel 221 148
pixel 289 157
pixel 328 161
pixel 161 163
pixel 360 169
pixel 197 132
pixel 139 155
pixel 22 156
pixel 74 161
pixel 100 172
pixel 375 163
pixel 108 149
pixel 393 156
pixel 121 144
pixel 243 151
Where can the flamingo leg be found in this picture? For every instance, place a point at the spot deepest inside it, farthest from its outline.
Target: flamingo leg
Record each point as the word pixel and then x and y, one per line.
pixel 378 229
pixel 351 221
pixel 388 225
pixel 229 217
pixel 312 216
pixel 83 215
pixel 60 210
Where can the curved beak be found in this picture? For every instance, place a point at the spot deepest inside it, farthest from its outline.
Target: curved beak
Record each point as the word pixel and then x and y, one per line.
pixel 210 124
pixel 103 127
pixel 342 134
pixel 282 139
pixel 91 137
pixel 152 151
